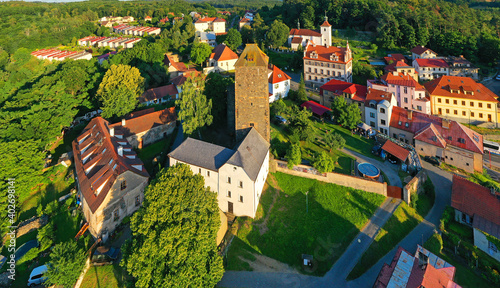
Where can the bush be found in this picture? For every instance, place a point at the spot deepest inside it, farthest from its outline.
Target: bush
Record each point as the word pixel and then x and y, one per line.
pixel 434 244
pixel 324 163
pixel 413 200
pixel 448 215
pixel 30 255
pixel 294 156
pixel 51 208
pixel 279 148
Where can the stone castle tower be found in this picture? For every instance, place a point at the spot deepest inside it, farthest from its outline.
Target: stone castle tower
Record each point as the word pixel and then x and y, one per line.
pixel 250 105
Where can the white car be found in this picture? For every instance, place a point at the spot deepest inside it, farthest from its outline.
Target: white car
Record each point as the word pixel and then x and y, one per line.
pixel 498 77
pixel 36 276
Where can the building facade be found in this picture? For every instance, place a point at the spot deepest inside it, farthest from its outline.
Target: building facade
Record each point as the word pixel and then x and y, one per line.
pixel 459 66
pixel 222 59
pixel 301 37
pixel 429 69
pixel 420 52
pixel 211 24
pixel 279 84
pixel 352 93
pixel 378 109
pixel 324 63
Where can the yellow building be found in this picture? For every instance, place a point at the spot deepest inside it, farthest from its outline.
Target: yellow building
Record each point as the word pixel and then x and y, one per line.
pixel 463 100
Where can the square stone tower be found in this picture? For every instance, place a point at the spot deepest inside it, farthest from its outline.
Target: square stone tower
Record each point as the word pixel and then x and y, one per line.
pixel 251 93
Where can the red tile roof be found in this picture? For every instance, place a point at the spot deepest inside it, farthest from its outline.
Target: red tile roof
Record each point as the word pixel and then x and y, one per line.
pixel 179 80
pixel 210 19
pixel 304 32
pixel 420 50
pixel 396 150
pixel 325 24
pixel 135 124
pixel 437 63
pixel 338 87
pixel 401 80
pixel 223 53
pixel 417 122
pixel 297 40
pixel 277 75
pixel 324 53
pixel 475 200
pixel 316 108
pixel 168 60
pixel 158 93
pixel 377 96
pixel 398 57
pixel 102 163
pixel 442 86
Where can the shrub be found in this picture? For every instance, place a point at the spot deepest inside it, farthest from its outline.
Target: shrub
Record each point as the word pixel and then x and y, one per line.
pixel 448 215
pixel 413 200
pixel 294 156
pixel 324 163
pixel 30 255
pixel 435 243
pixel 51 208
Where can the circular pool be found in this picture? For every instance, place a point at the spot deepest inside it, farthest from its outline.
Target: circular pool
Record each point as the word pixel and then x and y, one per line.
pixel 368 170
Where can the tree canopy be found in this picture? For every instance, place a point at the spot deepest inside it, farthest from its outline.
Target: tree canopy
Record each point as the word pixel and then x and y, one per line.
pixel 233 39
pixel 200 52
pixel 174 234
pixel 216 87
pixel 66 264
pixel 277 34
pixel 119 90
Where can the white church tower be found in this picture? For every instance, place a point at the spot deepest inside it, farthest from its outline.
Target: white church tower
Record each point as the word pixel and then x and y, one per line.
pixel 326 33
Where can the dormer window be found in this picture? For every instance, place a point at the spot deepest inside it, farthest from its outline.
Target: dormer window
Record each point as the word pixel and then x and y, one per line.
pixel 314 55
pixel 407 124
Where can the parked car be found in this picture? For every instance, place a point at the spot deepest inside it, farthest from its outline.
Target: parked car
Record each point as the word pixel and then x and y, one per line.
pixel 392 159
pixel 376 149
pixel 280 120
pixel 104 255
pixel 36 276
pixel 498 77
pixel 433 160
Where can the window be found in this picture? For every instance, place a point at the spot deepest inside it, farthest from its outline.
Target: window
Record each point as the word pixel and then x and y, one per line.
pixel 463 113
pixel 137 200
pixel 208 173
pixel 455 112
pixel 489 106
pixel 480 105
pixel 451 158
pixel 394 135
pixel 382 110
pixel 229 180
pixel 407 124
pixel 419 108
pixel 447 111
pixel 309 69
pixel 450 138
pixel 252 124
pixel 405 89
pixel 116 215
pixel 123 185
pixel 382 122
pixel 492 247
pixel 399 123
pixel 439 100
pixel 241 199
pixel 447 101
pixel 315 70
pixel 372 115
pixel 433 138
pixel 461 140
pixel 372 123
pixel 466 218
pixel 471 104
pixel 321 71
pixel 467 164
pixel 455 102
pixel 440 111
pixel 199 170
pixel 480 115
pixel 276 86
pixel 286 83
pixel 228 194
pixel 463 103
pixel 406 100
pixel 471 114
pixel 328 72
pixel 241 184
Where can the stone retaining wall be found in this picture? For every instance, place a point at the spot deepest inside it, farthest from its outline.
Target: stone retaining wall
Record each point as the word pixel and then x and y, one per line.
pixel 416 185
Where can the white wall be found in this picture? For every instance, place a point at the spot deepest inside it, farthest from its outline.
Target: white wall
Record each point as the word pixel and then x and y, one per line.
pixel 281 88
pixel 481 242
pixel 237 175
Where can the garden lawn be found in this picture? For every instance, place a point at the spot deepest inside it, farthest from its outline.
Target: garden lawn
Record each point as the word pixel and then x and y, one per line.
pixel 281 60
pixel 395 229
pixel 107 276
pixel 283 230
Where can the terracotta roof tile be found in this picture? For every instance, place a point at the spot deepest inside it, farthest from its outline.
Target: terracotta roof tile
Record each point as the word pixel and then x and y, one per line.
pixel 325 24
pixel 438 63
pixel 277 75
pixel 179 80
pixel 223 53
pixel 139 123
pixel 441 87
pixel 324 53
pixel 158 93
pixel 377 96
pixel 401 80
pixel 420 50
pixel 304 32
pixel 316 108
pixel 338 87
pixel 396 150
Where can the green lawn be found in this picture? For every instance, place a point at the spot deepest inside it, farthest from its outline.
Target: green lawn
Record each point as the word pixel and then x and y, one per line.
pixel 395 229
pixel 281 60
pixel 463 275
pixel 107 276
pixel 284 230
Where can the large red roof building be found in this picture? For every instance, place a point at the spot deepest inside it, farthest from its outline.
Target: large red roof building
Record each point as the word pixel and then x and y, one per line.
pixel 324 63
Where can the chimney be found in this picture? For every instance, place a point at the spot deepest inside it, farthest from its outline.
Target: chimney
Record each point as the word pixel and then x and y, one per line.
pixel 410 114
pixel 446 124
pixel 123 122
pixel 120 150
pixel 112 131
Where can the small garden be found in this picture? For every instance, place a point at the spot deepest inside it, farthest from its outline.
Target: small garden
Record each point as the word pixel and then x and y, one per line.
pixel 290 222
pixel 400 224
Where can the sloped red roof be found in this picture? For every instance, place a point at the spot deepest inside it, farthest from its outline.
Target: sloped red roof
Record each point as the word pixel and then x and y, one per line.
pixel 324 53
pixel 243 20
pixel 338 87
pixel 420 50
pixel 325 24
pixel 223 53
pixel 297 40
pixel 396 150
pixel 437 63
pixel 304 32
pixel 277 75
pixel 418 121
pixel 102 163
pixel 316 108
pixel 475 200
pixel 377 96
pixel 442 86
pixel 210 19
pixel 135 124
pixel 431 135
pixel 179 80
pixel 158 93
pixel 401 80
pixel 179 66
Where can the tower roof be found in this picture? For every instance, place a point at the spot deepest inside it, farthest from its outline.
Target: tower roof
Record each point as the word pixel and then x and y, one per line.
pixel 326 24
pixel 252 56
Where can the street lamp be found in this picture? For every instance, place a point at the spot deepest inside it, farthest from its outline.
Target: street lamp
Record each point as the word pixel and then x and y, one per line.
pixel 307 203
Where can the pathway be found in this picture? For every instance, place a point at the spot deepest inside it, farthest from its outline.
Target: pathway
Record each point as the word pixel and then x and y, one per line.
pixel 179 138
pixel 390 170
pixel 336 276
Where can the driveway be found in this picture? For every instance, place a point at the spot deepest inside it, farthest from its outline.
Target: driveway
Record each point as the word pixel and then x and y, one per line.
pixel 336 277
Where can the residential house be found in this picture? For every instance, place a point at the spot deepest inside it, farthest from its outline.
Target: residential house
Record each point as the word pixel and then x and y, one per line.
pixel 175 67
pixel 108 24
pixel 179 80
pixel 60 55
pixel 459 66
pixel 212 24
pixel 279 83
pixel 429 69
pixel 105 57
pixel 352 93
pixel 422 270
pixel 207 37
pixel 378 109
pixel 448 140
pixel 324 63
pixel 222 59
pixel 159 95
pixel 112 42
pixel 300 37
pixel 393 58
pixel 236 175
pixel 401 67
pixel 408 92
pixel 148 18
pixel 136 30
pixel 463 99
pixel 164 20
pixel 478 207
pixel 422 52
pixel 110 177
pixel 244 22
pixel 141 128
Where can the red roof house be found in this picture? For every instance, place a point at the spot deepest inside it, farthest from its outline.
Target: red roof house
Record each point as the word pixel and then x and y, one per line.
pixel 317 109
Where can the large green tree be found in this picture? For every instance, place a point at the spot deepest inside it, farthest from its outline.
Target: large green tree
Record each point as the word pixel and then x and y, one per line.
pixel 195 108
pixel 119 90
pixel 301 93
pixel 294 155
pixel 277 34
pixel 174 234
pixel 324 163
pixel 200 52
pixel 233 39
pixel 300 124
pixel 216 87
pixel 66 263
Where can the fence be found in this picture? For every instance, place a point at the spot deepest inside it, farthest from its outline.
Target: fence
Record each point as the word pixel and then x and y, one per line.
pixel 331 177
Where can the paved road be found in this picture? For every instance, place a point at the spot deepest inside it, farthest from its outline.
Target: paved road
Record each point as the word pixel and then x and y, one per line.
pixel 442 183
pixel 390 170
